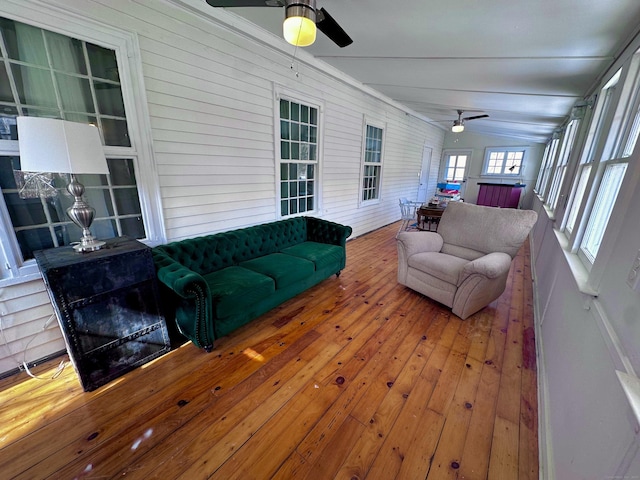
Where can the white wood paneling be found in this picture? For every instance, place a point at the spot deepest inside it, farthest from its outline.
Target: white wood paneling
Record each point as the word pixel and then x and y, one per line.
pixel 210 99
pixel 583 405
pixel 27 330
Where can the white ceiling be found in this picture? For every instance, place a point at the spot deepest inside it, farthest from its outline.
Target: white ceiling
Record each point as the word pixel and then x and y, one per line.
pixel 525 63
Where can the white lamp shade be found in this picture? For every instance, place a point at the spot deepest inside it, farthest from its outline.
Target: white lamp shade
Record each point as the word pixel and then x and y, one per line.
pixel 59 146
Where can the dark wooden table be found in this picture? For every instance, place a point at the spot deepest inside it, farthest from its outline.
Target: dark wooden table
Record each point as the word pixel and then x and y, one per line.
pixel 429 216
pixel 107 304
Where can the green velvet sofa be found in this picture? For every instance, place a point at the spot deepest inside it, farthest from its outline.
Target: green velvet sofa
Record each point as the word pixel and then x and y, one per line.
pixel 217 283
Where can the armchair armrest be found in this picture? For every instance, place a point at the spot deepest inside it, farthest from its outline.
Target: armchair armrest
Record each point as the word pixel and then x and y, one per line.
pixel 492 265
pixel 418 242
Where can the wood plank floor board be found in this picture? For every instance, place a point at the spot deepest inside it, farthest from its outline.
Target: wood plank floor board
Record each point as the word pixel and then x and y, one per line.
pixel 356 378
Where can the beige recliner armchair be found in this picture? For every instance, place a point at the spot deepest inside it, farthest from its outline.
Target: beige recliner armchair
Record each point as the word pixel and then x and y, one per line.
pixel 466 263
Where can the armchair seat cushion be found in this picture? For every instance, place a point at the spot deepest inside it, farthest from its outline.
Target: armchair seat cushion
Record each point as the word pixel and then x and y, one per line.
pixel 233 288
pixel 440 265
pixel 284 269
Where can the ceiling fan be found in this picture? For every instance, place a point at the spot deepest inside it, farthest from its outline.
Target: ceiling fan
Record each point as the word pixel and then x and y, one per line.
pixel 301 19
pixel 458 125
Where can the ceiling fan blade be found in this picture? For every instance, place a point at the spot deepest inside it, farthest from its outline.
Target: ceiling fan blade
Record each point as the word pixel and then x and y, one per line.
pixel 474 118
pixel 327 25
pixel 245 3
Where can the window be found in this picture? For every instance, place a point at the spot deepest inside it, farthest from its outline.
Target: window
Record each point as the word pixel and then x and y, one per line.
pixel 547 164
pixel 563 160
pixel 503 161
pixel 39 218
pixel 372 163
pixel 49 74
pixel 298 158
pixel 455 165
pixel 612 164
pixel 605 200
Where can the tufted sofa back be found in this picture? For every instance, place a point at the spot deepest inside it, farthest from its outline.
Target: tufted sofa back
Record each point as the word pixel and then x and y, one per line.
pixel 213 252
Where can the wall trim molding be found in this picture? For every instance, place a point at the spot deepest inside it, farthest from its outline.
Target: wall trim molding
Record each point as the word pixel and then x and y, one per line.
pixel 545 448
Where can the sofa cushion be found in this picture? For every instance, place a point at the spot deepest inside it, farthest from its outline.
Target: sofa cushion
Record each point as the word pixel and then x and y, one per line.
pixel 321 254
pixel 440 265
pixel 232 288
pixel 282 268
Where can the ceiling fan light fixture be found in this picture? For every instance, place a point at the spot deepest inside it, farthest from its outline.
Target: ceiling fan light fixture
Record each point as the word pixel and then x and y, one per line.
pixel 457 127
pixel 299 27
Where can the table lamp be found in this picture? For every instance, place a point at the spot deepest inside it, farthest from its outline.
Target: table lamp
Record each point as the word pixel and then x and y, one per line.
pixel 60 146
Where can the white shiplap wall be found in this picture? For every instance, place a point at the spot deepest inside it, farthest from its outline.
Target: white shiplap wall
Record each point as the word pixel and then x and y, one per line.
pixel 210 97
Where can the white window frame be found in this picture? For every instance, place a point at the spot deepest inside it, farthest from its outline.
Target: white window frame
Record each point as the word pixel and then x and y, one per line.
pixel 568 146
pixel 446 158
pixel 281 92
pixel 13 269
pixel 363 163
pixel 548 161
pixel 504 172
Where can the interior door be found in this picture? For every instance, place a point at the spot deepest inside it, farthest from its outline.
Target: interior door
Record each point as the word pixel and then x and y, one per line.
pixel 455 164
pixel 425 174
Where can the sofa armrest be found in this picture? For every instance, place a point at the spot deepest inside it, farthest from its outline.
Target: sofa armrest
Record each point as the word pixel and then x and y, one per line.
pixel 192 301
pixel 324 231
pixel 492 265
pixel 177 277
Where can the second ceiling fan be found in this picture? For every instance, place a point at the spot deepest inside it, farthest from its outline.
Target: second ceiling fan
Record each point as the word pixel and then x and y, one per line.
pixel 300 22
pixel 458 125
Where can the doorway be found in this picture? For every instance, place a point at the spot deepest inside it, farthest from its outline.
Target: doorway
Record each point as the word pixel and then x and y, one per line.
pixel 455 164
pixel 425 176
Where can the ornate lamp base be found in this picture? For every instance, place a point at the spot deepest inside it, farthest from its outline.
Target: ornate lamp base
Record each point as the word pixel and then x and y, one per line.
pixel 81 213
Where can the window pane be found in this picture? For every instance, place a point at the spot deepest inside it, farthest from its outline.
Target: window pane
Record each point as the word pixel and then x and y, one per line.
pixel 109 99
pixel 127 201
pixel 34 85
pixel 24 212
pixel 66 53
pixel 284 130
pixel 8 128
pixel 602 208
pixel 284 109
pixel 24 42
pixel 577 198
pixel 122 172
pixel 6 95
pixel 75 93
pixel 115 132
pixel 34 239
pixel 133 227
pixel 103 62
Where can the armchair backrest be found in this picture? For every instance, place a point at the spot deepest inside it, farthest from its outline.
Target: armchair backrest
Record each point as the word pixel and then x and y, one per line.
pixel 470 231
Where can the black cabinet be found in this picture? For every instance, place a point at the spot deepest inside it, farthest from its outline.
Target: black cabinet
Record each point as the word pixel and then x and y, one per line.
pixel 108 307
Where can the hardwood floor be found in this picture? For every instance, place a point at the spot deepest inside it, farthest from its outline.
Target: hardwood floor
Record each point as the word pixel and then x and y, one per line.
pixel 356 378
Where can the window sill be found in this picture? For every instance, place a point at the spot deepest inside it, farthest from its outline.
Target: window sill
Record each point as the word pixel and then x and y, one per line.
pixel 28 277
pixel 579 271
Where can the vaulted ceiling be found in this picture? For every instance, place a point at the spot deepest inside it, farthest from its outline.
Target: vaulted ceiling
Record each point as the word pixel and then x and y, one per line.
pixel 525 63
